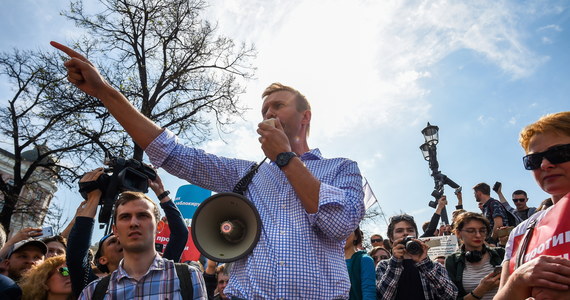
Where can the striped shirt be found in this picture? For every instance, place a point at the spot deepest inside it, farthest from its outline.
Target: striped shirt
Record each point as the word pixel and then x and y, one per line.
pixel 299 255
pixel 160 282
pixel 473 274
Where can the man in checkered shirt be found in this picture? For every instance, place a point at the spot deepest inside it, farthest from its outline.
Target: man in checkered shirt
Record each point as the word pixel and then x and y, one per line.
pixel 308 204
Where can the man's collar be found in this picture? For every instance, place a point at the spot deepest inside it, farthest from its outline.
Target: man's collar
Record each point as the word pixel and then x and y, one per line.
pixel 157 264
pixel 314 154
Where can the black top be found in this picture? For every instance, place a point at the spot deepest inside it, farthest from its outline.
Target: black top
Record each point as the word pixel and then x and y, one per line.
pixel 410 284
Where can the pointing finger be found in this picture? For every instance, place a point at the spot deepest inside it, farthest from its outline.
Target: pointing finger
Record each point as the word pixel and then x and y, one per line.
pixel 68 51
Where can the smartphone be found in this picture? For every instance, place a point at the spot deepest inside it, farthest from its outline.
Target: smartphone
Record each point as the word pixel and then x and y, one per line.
pixel 46 232
pixel 497 270
pixel 496 186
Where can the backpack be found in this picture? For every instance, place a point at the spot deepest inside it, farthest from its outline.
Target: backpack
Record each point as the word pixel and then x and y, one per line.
pixel 186 289
pixel 512 218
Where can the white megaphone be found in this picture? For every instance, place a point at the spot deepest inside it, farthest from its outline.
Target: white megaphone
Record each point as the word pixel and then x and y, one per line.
pixel 226 227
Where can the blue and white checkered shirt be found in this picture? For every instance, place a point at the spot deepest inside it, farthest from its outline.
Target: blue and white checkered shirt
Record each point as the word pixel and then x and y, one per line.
pixel 299 255
pixel 160 282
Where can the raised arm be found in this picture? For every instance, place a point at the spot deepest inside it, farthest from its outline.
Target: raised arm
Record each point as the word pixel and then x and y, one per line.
pixel 178 229
pixel 82 73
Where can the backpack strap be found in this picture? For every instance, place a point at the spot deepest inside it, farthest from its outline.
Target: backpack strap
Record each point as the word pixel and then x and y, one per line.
pixel 101 288
pixel 186 289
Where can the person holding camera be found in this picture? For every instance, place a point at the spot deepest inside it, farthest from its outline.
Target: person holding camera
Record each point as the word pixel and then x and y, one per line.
pixel 410 274
pixel 475 268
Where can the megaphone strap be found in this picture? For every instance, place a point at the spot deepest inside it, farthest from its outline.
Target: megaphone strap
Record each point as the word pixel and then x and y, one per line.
pixel 242 184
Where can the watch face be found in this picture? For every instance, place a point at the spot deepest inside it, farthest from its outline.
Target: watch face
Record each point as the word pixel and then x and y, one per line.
pixel 284 158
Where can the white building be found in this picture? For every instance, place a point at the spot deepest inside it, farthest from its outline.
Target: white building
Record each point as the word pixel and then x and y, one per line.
pixel 35 197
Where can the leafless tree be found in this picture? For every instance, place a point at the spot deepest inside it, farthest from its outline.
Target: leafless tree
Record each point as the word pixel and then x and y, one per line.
pixel 48 129
pixel 168 61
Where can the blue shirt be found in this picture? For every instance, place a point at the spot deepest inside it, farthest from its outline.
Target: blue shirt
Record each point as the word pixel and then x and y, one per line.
pixel 160 282
pixel 299 255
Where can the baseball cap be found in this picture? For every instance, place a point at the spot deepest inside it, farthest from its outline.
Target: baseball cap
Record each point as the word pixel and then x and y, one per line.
pixel 28 242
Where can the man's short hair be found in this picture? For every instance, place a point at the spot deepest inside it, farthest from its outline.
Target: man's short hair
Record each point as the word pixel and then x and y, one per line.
pixel 520 192
pixel 483 188
pixel 302 102
pixel 129 196
pixel 397 219
pixel 556 123
pixel 425 225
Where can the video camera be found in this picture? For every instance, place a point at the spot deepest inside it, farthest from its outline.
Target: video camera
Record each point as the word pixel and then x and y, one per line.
pixel 121 175
pixel 440 181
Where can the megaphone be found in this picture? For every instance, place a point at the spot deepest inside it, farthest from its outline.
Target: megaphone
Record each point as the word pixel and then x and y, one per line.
pixel 226 227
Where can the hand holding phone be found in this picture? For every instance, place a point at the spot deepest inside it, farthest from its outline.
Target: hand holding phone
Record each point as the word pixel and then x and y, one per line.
pixel 497 271
pixel 47 231
pixel 496 187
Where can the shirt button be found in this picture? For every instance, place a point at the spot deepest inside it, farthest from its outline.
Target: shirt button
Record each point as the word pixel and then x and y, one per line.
pixel 283 206
pixel 282 232
pixel 281 263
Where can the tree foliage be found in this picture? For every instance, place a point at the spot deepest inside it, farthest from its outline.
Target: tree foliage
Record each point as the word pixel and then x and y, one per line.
pixel 168 62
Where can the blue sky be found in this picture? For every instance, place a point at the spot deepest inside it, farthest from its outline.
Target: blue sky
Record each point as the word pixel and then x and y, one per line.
pixel 376 72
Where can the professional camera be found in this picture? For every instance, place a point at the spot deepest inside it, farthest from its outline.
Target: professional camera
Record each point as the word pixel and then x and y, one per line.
pixel 121 175
pixel 412 247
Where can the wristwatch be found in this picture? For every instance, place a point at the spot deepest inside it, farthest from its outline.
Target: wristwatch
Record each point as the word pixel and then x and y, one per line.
pixel 283 158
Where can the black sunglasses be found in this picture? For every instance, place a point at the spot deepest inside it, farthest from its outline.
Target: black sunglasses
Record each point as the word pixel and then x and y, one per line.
pixel 376 240
pixel 515 200
pixel 555 155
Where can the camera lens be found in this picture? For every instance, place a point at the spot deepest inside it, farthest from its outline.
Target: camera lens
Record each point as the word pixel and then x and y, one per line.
pixel 412 247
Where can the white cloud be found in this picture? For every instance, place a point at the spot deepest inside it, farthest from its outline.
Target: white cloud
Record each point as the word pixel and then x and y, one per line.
pixel 553 27
pixel 361 65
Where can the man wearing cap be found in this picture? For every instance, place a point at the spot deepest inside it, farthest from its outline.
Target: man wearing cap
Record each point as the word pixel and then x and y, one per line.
pixel 23 256
pixel 8 288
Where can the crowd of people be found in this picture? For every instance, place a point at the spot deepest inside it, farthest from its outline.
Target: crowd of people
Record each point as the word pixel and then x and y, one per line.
pixel 310 209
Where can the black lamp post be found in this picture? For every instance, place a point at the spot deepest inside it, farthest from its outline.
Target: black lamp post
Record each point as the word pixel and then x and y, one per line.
pixel 429 151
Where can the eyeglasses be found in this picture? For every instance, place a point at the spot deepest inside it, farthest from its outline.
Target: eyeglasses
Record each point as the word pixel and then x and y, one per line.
pixel 555 155
pixel 515 200
pixel 376 241
pixel 64 271
pixel 482 231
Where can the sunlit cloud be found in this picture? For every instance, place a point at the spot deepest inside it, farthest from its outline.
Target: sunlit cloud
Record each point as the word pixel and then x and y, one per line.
pixel 361 65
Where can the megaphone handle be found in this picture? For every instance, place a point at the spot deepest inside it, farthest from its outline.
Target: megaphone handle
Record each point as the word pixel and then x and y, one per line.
pixel 242 184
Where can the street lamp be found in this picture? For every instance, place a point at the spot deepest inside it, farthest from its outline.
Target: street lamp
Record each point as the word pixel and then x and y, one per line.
pixel 429 152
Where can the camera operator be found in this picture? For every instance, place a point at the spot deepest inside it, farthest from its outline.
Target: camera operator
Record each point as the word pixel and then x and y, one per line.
pixel 410 274
pixel 110 252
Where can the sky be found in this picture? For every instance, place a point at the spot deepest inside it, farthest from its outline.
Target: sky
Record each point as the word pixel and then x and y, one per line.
pixel 375 73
